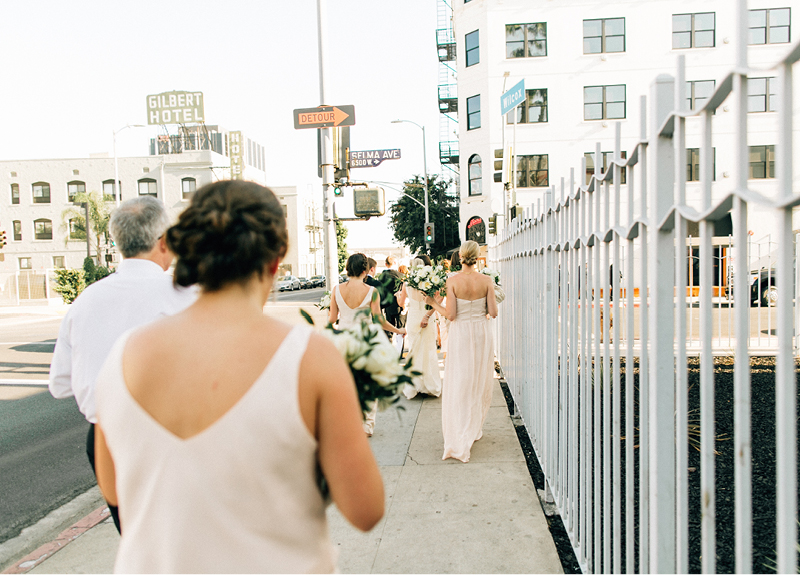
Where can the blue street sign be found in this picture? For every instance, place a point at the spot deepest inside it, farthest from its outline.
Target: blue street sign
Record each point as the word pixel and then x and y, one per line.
pixel 372 158
pixel 513 98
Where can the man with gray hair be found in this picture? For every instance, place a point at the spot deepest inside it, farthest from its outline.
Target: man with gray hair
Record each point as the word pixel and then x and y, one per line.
pixel 137 293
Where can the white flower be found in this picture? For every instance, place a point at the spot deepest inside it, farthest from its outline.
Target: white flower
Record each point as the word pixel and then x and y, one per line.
pixel 380 360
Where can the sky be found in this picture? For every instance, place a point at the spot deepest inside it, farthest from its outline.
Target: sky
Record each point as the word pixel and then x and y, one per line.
pixel 74 72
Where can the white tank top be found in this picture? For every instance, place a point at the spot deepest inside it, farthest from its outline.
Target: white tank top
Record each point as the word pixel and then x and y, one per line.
pixel 239 497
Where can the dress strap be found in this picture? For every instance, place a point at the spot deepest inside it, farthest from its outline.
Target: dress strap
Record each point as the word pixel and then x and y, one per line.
pixel 368 298
pixel 339 299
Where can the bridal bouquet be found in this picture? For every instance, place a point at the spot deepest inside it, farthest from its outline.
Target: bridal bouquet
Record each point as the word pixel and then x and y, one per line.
pixel 375 364
pixel 325 301
pixel 430 280
pixel 499 292
pixel 492 274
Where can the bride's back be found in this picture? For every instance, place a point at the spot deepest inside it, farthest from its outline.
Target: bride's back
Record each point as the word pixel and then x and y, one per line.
pixel 470 285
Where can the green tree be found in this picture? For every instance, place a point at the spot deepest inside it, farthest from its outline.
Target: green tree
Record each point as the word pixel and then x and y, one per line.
pixel 408 217
pixel 341 245
pixel 99 216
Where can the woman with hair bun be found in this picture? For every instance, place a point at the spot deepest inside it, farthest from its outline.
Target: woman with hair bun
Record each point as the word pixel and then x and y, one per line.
pixel 469 369
pixel 352 296
pixel 212 423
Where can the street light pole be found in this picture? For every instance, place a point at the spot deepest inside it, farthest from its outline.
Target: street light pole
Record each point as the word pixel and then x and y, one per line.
pixel 425 167
pixel 117 186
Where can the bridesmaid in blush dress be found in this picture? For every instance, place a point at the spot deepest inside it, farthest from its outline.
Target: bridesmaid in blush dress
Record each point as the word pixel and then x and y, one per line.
pixel 469 369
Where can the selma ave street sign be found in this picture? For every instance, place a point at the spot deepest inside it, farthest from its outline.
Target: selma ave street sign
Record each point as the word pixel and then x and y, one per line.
pixel 324 117
pixel 372 158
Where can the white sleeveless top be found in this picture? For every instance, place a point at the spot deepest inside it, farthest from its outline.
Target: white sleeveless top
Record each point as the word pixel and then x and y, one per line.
pixel 239 497
pixel 347 315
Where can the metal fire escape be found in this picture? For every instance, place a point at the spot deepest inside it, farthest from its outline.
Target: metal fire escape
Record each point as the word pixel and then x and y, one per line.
pixel 448 89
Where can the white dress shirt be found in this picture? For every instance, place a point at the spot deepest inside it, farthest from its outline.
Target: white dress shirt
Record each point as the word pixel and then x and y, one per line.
pixel 137 293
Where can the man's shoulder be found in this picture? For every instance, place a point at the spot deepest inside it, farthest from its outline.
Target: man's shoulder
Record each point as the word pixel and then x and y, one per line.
pixel 391 273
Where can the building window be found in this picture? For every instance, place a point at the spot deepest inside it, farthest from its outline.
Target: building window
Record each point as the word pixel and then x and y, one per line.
pixel 77 229
pixel 15 194
pixel 43 229
pixel 188 187
pixel 607 156
pixel 75 188
pixel 761 94
pixel 475 175
pixel 25 263
pixel 693 30
pixel 17 225
pixel 109 190
pixel 533 109
pixel 762 162
pixel 532 171
pixel 473 48
pixel 474 112
pixel 693 164
pixel 41 193
pixel 148 187
pixel 58 262
pixel 604 102
pixel 604 35
pixel 526 40
pixel 770 26
pixel 698 92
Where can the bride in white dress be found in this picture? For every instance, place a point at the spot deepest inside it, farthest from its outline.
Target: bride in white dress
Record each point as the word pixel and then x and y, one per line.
pixel 348 299
pixel 469 369
pixel 421 341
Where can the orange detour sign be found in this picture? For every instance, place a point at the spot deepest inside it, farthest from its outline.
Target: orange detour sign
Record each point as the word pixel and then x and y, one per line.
pixel 324 117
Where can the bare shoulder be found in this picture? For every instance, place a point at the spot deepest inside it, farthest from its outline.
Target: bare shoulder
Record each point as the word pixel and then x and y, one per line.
pixel 322 361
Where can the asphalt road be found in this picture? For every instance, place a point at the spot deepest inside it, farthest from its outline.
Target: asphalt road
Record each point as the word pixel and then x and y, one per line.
pixel 43 462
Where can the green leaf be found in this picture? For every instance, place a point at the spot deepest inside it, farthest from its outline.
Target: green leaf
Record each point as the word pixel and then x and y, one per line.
pixel 306 316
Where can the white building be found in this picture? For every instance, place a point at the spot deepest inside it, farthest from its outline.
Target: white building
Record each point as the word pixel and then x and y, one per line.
pixel 35 194
pixel 585 64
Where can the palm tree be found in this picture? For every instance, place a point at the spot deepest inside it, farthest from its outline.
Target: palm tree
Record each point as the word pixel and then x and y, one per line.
pixel 73 220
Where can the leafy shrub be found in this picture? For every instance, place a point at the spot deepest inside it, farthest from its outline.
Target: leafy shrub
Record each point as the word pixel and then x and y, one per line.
pixel 69 284
pixel 92 272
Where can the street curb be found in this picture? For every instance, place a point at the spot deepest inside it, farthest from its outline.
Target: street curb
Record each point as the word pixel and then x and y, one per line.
pixel 65 537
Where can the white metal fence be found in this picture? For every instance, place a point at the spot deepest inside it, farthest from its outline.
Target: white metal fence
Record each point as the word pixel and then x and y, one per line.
pixel 27 286
pixel 604 378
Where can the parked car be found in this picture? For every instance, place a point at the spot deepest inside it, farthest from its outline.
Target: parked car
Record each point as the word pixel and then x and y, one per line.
pixel 304 284
pixel 317 281
pixel 287 283
pixel 764 287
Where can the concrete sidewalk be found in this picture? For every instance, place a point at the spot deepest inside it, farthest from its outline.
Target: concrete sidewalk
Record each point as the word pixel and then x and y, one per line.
pixel 441 516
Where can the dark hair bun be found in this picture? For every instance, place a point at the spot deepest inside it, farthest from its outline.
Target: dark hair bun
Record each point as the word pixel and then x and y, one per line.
pixel 231 230
pixel 356 265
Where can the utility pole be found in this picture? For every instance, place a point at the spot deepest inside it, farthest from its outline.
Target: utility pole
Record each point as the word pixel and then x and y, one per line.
pixel 331 260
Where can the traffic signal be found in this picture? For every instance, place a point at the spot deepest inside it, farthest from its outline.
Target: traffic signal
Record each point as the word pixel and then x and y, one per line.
pixel 429 232
pixel 3 241
pixel 338 191
pixel 498 165
pixel 493 224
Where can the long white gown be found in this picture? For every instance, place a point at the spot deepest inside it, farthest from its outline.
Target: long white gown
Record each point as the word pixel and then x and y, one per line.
pixel 347 317
pixel 468 378
pixel 422 348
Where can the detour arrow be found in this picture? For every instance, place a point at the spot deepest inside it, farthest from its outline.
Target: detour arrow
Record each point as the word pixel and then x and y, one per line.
pixel 324 117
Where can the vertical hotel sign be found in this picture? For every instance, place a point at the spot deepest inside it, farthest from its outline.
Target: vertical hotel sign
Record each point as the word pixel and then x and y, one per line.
pixel 235 150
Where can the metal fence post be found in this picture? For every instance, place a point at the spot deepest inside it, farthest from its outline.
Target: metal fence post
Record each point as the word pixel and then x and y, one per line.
pixel 662 370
